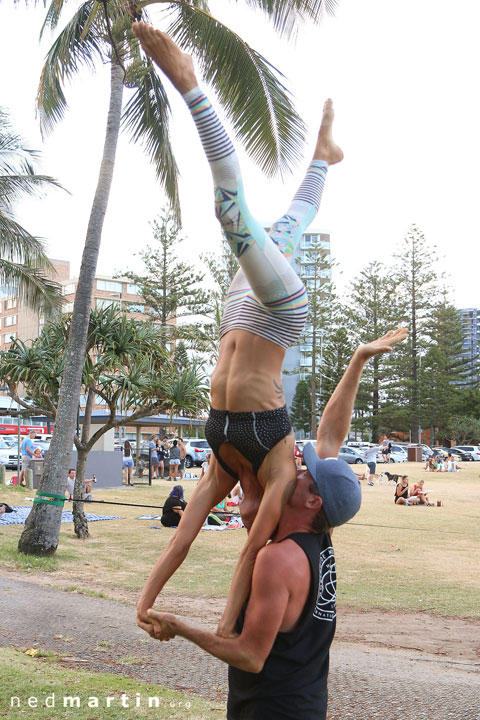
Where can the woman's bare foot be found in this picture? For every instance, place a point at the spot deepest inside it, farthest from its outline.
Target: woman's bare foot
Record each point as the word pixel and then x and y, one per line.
pixel 326 149
pixel 177 65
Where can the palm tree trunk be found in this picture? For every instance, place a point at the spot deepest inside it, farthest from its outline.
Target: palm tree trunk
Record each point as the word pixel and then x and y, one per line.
pixel 42 528
pixel 80 523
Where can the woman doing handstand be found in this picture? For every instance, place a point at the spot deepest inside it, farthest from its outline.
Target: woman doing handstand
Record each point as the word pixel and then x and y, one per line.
pixel 248 427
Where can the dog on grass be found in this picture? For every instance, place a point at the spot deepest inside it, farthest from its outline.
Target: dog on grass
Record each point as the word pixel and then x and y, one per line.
pixel 391 478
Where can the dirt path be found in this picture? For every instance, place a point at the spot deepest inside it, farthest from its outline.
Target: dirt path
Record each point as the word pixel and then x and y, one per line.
pixel 383 665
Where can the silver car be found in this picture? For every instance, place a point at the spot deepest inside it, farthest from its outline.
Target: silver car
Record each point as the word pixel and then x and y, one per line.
pixel 197 450
pixel 474 450
pixel 351 455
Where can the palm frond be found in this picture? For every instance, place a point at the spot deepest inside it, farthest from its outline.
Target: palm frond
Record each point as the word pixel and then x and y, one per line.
pixel 52 17
pixel 286 14
pixel 18 245
pixel 249 88
pixel 72 49
pixel 146 117
pixel 33 287
pixel 12 187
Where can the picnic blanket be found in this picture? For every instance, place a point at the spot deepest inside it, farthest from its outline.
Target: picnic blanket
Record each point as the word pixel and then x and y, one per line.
pixel 21 512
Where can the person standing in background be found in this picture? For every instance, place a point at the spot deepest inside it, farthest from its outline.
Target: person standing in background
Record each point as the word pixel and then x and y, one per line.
pixel 154 461
pixel 174 460
pixel 28 448
pixel 127 463
pixel 183 453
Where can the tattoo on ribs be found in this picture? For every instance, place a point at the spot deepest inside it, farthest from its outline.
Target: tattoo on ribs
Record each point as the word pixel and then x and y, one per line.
pixel 278 389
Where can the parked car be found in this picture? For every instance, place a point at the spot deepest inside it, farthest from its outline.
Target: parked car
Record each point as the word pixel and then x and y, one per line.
pixel 42 444
pixel 398 454
pixel 474 450
pixel 351 455
pixel 461 455
pixel 197 449
pixel 302 444
pixel 298 449
pixel 11 440
pixel 8 454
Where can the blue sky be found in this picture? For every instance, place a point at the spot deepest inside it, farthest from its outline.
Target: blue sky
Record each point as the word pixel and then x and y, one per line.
pixel 404 79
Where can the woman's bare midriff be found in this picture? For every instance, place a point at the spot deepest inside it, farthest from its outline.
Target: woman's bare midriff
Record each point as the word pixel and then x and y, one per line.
pixel 248 376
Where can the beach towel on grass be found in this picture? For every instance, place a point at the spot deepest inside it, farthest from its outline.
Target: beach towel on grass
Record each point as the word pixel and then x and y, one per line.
pixel 21 512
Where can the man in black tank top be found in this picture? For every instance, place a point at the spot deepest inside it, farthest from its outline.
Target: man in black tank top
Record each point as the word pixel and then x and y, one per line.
pixel 279 659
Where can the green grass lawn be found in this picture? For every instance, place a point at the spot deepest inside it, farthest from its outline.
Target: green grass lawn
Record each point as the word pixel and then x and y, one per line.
pixel 388 557
pixel 40 688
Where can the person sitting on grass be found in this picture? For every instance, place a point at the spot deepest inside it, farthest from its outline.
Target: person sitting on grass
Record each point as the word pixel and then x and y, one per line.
pixel 173 507
pixel 452 464
pixel 402 493
pixel 417 490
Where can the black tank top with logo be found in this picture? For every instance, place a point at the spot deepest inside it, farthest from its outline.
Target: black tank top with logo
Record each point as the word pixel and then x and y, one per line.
pixel 293 682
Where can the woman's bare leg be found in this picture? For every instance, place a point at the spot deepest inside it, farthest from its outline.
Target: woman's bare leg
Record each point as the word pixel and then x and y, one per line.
pixel 213 487
pixel 277 475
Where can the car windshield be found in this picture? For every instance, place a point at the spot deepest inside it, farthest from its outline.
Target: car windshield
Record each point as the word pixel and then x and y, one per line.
pixel 3 444
pixel 199 443
pixel 10 441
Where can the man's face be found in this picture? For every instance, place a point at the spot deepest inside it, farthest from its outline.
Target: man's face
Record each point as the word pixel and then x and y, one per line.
pixel 71 474
pixel 301 489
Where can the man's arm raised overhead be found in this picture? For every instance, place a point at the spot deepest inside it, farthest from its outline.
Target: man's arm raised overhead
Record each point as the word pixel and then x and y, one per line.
pixel 337 415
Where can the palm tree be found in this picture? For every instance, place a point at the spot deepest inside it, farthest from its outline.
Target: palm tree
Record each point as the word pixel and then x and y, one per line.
pixel 129 372
pixel 23 262
pixel 255 101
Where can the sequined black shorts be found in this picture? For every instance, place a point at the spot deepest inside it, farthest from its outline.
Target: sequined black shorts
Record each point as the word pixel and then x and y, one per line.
pixel 253 434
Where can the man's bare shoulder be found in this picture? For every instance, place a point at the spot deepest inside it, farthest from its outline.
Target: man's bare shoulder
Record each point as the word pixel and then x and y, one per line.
pixel 285 555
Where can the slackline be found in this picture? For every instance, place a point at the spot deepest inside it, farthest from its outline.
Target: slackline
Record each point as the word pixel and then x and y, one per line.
pixel 160 507
pixel 109 502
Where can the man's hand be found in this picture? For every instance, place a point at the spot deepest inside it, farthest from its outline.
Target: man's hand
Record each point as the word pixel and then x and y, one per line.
pixel 383 344
pixel 147 623
pixel 223 632
pixel 166 622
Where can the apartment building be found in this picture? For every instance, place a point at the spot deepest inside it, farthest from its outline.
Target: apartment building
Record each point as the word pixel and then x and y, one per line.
pixel 107 292
pixel 19 321
pixel 470 321
pixel 298 359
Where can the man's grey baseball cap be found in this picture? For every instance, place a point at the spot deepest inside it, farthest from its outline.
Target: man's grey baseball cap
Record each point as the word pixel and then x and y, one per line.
pixel 337 484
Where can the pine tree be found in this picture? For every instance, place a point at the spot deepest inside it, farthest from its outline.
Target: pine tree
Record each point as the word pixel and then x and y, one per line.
pixel 372 310
pixel 180 358
pixel 418 288
pixel 301 410
pixel 169 287
pixel 444 370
